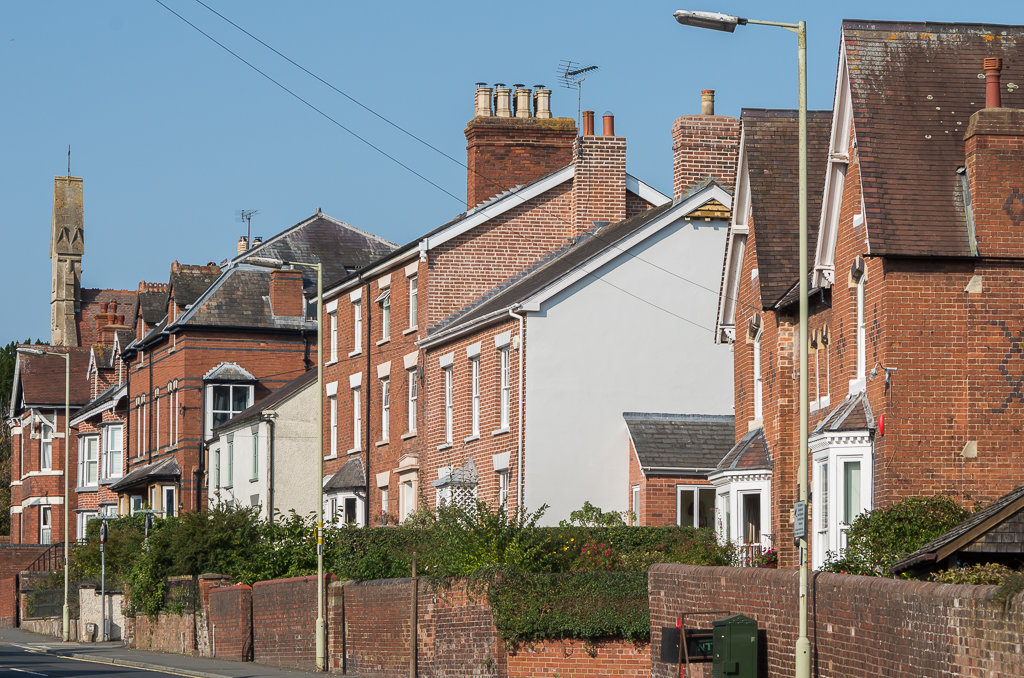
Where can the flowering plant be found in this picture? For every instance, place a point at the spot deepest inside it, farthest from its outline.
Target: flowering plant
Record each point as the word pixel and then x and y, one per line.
pixel 597 556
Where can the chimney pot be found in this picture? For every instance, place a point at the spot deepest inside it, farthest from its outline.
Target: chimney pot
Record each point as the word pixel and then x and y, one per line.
pixel 103 307
pixel 588 123
pixel 609 124
pixel 522 102
pixel 483 101
pixel 243 244
pixel 257 240
pixel 707 102
pixel 541 102
pixel 992 95
pixel 502 101
pixel 113 307
pixel 120 318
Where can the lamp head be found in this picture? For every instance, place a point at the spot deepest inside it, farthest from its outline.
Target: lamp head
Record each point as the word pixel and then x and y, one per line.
pixel 265 262
pixel 715 21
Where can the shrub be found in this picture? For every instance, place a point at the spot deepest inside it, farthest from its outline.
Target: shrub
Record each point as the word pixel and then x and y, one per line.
pixel 988 574
pixel 879 539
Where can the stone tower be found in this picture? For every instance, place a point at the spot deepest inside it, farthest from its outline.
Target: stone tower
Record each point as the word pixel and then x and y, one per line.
pixel 67 245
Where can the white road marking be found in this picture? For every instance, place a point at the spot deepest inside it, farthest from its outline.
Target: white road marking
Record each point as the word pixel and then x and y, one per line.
pixel 24 671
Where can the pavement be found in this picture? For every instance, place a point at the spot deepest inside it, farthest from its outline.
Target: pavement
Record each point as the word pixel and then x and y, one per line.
pixel 116 654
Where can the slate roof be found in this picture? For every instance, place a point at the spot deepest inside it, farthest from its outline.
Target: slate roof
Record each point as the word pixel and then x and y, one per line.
pixel 293 386
pixel 98 404
pixel 159 470
pixel 104 356
pixel 749 454
pixel 340 247
pixel 152 306
pixel 240 298
pixel 351 476
pixel 125 337
pixel 188 282
pixel 852 414
pixel 85 319
pixel 911 84
pixel 680 441
pixel 229 371
pixel 771 144
pixel 976 523
pixel 41 377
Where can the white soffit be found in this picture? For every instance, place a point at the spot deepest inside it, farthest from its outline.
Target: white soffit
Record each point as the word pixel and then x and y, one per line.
pixel 651 195
pixel 735 245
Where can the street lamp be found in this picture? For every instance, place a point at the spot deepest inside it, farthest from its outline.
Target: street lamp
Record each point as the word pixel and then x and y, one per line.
pixel 728 23
pixel 266 262
pixel 66 627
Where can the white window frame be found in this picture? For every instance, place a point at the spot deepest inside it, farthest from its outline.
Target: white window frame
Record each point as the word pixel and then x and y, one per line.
pixel 695 521
pixel 357 327
pixel 758 378
pixel 449 405
pixel 231 411
pixel 45 525
pixel 474 365
pixel 334 508
pixel 503 487
pixel 413 393
pixel 216 468
pixel 635 504
pixel 334 337
pixel 357 420
pixel 413 301
pixel 385 408
pixel 156 406
pixel 255 442
pixel 110 469
pixel 385 317
pixel 861 328
pixel 84 462
pixel 173 510
pixel 46 430
pixel 333 407
pixel 505 356
pixel 83 523
pixel 231 465
pixel 831 452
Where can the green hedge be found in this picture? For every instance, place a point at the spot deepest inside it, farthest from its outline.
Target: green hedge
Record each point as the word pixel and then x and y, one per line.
pixel 581 605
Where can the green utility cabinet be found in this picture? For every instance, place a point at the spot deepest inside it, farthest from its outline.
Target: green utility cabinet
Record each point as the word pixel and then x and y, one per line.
pixel 735 647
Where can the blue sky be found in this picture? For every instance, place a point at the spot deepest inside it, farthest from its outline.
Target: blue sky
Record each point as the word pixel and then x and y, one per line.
pixel 172 134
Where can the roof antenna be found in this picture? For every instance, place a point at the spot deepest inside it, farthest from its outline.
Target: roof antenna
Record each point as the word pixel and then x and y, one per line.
pixel 246 216
pixel 572 74
pixel 69 160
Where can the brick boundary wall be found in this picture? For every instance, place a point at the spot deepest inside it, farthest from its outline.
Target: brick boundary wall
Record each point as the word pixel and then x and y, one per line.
pixel 859 627
pixel 229 621
pixel 284 621
pixel 166 632
pixel 573 658
pixel 8 602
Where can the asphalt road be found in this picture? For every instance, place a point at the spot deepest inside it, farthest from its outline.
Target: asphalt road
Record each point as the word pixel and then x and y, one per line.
pixel 18 662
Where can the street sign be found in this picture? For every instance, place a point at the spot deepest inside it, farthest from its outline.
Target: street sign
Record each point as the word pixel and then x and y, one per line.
pixel 799 521
pixel 103 532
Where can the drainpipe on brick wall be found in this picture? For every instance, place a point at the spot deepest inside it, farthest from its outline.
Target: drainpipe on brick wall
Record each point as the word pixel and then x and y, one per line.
pixel 270 466
pixel 366 397
pixel 522 350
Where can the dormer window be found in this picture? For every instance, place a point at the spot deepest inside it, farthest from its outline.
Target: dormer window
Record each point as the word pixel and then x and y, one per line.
pixel 229 390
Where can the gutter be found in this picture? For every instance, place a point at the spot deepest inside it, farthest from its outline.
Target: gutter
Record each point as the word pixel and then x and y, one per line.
pixel 453 333
pixel 677 471
pixel 911 562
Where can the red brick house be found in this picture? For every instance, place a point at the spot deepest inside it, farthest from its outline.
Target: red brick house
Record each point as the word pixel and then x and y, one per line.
pixel 214 341
pixel 915 314
pixel 426 348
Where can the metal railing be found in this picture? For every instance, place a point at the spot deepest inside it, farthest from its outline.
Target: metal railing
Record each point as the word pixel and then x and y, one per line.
pixel 51 560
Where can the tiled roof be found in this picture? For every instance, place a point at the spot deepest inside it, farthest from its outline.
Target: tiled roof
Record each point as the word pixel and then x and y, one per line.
pixel 853 414
pixel 771 144
pixel 41 377
pixel 914 87
pixel 101 402
pixel 680 441
pixel 240 298
pixel 350 477
pixel 975 522
pixel 85 319
pixel 340 247
pixel 293 386
pixel 104 356
pixel 158 470
pixel 749 454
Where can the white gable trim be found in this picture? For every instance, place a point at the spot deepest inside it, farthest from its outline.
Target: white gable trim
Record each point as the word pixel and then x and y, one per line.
pixel 651 195
pixel 497 208
pixel 711 192
pixel 735 247
pixel 835 177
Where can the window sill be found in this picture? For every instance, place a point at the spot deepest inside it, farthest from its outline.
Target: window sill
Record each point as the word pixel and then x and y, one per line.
pixel 444 446
pixel 354 450
pixel 472 438
pixel 254 480
pixel 410 434
pixel 331 362
pixel 500 431
pixel 355 353
pixel 87 488
pixel 414 328
pixel 382 443
pixel 330 456
pixel 755 423
pixel 383 341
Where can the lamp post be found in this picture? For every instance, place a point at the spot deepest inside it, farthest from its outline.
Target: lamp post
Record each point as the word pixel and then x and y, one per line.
pixel 321 643
pixel 66 626
pixel 728 23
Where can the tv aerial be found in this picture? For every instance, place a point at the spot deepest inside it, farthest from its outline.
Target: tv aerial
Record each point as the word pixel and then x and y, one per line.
pixel 246 216
pixel 571 74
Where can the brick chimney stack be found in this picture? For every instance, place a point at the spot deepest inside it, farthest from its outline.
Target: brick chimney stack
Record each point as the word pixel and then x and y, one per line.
pixel 286 292
pixel 599 187
pixel 704 146
pixel 506 149
pixel 994 145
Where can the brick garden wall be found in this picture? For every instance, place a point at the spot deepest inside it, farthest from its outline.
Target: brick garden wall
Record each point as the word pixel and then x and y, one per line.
pixel 229 619
pixel 284 621
pixel 859 627
pixel 8 602
pixel 572 658
pixel 164 633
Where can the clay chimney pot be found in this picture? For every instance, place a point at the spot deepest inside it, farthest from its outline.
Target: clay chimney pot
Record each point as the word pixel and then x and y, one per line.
pixel 588 123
